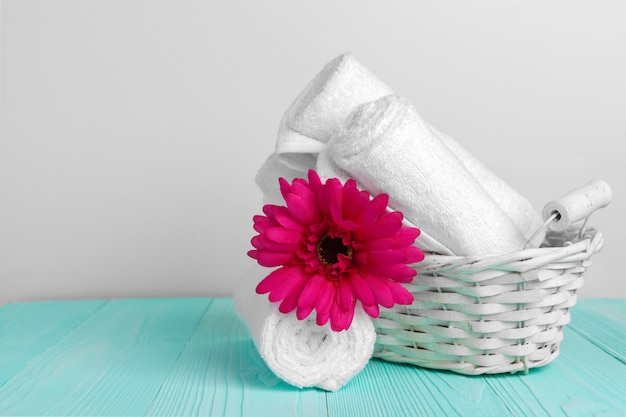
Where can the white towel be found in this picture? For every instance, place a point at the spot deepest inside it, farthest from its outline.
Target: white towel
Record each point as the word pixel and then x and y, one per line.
pixel 515 205
pixel 322 107
pixel 299 351
pixel 267 179
pixel 319 113
pixel 387 147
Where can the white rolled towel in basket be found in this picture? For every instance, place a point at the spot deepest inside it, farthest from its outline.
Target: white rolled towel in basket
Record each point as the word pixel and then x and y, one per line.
pixel 319 115
pixel 389 148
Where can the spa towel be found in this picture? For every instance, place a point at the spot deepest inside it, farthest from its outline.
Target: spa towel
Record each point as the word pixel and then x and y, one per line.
pixel 319 114
pixel 267 179
pixel 320 110
pixel 388 148
pixel 299 351
pixel 517 207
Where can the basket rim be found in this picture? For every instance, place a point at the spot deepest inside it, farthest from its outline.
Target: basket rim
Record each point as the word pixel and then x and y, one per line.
pixel 520 261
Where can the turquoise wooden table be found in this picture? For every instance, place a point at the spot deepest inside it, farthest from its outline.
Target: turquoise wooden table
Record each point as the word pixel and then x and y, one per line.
pixel 193 357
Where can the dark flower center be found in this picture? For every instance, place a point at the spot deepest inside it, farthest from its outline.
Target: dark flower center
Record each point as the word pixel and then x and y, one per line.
pixel 328 248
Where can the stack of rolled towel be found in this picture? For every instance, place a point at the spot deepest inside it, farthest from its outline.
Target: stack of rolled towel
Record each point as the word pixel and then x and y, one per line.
pixel 349 124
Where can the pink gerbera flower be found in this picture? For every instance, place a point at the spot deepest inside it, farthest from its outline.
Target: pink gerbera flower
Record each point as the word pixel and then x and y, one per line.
pixel 334 246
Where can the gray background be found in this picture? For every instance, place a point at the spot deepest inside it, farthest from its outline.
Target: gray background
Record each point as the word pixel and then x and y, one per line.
pixel 132 130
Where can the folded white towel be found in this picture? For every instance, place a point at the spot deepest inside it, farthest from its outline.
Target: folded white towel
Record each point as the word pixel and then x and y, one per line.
pixel 387 147
pixel 299 351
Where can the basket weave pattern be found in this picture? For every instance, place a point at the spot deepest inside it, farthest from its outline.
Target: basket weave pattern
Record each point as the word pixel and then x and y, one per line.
pixel 486 315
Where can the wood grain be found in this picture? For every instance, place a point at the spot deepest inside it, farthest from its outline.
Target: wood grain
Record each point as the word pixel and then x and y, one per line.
pixel 28 329
pixel 112 363
pixel 582 381
pixel 193 357
pixel 601 321
pixel 220 373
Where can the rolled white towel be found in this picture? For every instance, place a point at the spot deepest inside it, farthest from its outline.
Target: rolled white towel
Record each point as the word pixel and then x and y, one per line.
pixel 322 107
pixel 299 351
pixel 389 149
pixel 319 113
pixel 515 205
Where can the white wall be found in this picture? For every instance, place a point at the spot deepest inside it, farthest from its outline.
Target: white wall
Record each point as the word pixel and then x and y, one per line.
pixel 132 130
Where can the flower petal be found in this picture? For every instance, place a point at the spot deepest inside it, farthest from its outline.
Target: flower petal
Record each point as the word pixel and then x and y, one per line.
pixel 286 277
pixel 381 291
pixel 289 303
pixel 372 310
pixel 322 318
pixel 345 297
pixel 353 201
pixel 262 242
pixel 367 217
pixel 386 257
pixel 381 244
pixel 282 235
pixel 271 209
pixel 340 320
pixel 314 180
pixel 292 284
pixel 334 197
pixel 350 225
pixel 361 290
pixel 285 187
pixel 261 223
pixel 302 190
pixel 326 296
pixel 283 218
pixel 380 203
pixel 405 237
pixel 399 272
pixel 298 209
pixel 413 254
pixel 303 312
pixel 386 225
pixel 323 202
pixel 270 259
pixel 312 290
pixel 400 294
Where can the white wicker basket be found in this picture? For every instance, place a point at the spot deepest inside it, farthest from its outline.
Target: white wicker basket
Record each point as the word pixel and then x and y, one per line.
pixel 489 314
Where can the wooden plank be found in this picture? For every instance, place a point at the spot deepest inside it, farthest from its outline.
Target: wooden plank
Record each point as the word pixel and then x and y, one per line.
pixel 220 372
pixel 113 363
pixel 194 357
pixel 27 329
pixel 602 321
pixel 389 389
pixel 582 381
